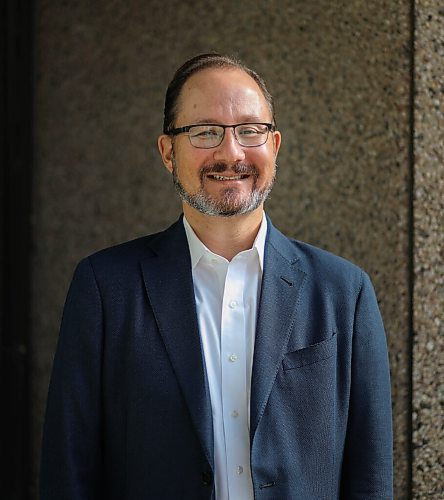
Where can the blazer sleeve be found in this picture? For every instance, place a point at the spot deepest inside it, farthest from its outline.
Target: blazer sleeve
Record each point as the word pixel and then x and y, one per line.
pixel 367 466
pixel 71 465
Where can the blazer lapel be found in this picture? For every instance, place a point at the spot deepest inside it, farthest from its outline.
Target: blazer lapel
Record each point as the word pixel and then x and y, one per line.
pixel 169 285
pixel 281 286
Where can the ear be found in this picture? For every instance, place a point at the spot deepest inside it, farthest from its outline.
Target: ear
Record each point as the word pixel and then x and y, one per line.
pixel 276 142
pixel 165 145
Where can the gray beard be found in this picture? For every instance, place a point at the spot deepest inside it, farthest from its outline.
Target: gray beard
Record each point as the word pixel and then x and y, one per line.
pixel 229 204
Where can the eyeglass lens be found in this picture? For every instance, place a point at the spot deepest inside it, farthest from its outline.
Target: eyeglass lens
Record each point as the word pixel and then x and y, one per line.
pixel 210 136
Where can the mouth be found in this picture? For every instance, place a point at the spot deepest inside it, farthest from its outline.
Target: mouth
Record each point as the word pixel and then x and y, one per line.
pixel 219 177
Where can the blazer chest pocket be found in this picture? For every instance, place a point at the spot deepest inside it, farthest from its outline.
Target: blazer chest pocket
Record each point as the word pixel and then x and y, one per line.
pixel 311 354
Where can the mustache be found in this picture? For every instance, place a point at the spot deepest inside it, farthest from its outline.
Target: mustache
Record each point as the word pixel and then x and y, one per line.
pixel 237 169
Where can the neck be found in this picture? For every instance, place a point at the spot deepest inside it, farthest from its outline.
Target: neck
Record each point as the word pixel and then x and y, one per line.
pixel 225 236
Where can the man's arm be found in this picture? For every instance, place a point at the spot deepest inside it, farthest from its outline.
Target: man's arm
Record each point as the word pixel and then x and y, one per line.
pixel 367 466
pixel 71 466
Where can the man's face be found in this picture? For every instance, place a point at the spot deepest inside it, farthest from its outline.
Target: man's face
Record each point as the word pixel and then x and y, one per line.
pixel 229 179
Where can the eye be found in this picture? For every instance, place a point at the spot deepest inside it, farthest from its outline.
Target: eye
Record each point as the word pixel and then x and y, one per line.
pixel 251 129
pixel 202 132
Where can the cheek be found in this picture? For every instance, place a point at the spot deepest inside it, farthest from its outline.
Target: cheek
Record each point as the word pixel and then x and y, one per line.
pixel 192 161
pixel 263 159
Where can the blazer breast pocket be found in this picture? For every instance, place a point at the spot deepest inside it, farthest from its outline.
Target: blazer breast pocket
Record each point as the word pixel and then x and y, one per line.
pixel 311 354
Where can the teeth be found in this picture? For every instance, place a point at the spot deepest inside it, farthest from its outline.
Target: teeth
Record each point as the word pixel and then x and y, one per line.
pixel 225 178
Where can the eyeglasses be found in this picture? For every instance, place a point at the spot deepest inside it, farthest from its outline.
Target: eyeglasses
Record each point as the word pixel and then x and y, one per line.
pixel 211 135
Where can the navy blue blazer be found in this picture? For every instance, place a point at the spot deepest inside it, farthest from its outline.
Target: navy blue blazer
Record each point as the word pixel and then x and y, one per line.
pixel 129 412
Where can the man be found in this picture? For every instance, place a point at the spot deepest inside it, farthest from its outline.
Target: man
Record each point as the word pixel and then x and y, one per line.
pixel 219 359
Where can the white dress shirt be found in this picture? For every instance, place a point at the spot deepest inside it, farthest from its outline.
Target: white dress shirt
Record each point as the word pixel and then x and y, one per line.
pixel 227 295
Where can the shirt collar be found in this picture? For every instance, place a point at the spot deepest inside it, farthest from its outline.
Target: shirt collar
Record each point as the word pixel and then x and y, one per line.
pixel 198 249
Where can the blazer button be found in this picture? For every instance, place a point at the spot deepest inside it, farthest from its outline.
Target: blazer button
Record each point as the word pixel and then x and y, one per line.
pixel 207 478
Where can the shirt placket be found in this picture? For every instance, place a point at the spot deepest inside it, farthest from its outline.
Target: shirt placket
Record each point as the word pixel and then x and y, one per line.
pixel 233 369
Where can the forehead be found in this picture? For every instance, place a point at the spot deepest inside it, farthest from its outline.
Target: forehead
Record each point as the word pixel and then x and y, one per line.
pixel 225 95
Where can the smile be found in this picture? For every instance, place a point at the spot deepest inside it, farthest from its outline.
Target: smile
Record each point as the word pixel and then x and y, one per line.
pixel 218 177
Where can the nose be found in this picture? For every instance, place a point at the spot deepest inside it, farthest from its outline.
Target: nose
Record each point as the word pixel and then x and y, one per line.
pixel 229 150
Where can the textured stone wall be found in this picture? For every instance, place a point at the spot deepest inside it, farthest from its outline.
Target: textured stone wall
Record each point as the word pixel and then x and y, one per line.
pixel 340 73
pixel 428 347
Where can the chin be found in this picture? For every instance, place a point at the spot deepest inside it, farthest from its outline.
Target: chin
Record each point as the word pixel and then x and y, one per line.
pixel 228 203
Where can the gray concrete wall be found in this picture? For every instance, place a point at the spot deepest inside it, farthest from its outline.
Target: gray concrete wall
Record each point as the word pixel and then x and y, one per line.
pixel 428 298
pixel 340 72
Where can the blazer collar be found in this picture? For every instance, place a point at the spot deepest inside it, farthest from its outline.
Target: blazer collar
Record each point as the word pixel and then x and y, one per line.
pixel 169 285
pixel 282 283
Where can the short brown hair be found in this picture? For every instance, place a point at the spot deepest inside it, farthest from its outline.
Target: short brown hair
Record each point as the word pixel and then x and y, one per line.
pixel 199 63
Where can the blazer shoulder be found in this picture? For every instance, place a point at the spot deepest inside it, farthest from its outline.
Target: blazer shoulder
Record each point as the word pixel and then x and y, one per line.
pixel 128 250
pixel 332 274
pixel 124 258
pixel 319 257
pixel 331 269
pixel 327 269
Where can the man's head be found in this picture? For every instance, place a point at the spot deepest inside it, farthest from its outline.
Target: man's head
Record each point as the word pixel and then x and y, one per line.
pixel 219 170
pixel 199 63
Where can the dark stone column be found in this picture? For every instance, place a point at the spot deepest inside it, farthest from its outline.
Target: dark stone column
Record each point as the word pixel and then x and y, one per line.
pixel 16 116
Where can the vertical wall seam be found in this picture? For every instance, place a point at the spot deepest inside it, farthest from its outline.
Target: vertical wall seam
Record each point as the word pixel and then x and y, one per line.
pixel 32 492
pixel 411 240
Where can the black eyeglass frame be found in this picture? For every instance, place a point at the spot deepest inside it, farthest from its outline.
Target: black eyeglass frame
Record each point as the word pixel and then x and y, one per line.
pixel 183 130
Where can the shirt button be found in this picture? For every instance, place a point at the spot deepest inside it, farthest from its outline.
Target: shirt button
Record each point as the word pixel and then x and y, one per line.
pixel 232 304
pixel 240 469
pixel 232 358
pixel 214 261
pixel 234 414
